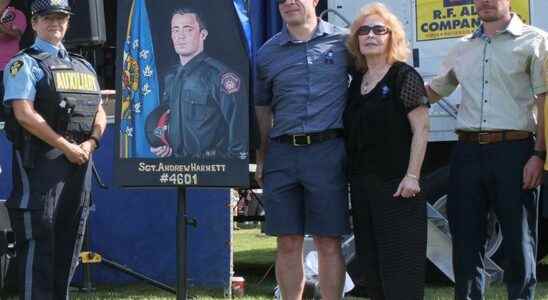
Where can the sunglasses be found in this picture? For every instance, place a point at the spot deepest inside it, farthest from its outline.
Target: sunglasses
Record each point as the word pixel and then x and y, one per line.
pixel 377 30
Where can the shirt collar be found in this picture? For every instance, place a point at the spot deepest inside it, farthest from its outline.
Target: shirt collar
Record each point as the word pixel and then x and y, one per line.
pixel 515 28
pixel 45 46
pixel 195 61
pixel 321 29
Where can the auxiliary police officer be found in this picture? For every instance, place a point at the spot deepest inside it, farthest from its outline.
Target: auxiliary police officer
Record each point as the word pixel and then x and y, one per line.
pixel 55 123
pixel 203 96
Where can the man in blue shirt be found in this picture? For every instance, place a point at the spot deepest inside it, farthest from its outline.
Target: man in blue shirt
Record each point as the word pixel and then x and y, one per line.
pixel 300 94
pixel 55 124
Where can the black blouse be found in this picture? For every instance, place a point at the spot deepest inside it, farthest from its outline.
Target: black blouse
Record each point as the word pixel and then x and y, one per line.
pixel 377 131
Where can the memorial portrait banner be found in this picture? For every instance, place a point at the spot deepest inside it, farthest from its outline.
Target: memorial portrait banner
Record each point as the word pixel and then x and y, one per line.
pixel 182 114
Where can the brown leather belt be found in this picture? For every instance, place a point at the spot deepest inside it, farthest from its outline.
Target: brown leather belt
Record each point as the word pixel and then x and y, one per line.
pixel 309 138
pixel 491 137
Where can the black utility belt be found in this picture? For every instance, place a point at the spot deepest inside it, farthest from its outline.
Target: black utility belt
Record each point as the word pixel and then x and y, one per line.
pixel 309 138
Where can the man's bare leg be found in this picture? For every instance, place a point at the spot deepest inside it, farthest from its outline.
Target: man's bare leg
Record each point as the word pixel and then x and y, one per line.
pixel 289 266
pixel 331 267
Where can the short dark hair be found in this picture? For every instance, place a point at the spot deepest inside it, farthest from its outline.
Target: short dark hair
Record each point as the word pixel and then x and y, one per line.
pixel 186 11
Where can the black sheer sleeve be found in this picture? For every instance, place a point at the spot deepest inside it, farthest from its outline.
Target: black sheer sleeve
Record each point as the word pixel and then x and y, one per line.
pixel 412 93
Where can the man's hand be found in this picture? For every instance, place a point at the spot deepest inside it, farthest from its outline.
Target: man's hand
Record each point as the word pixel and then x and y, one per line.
pixel 408 188
pixel 259 168
pixel 532 173
pixel 259 173
pixel 162 151
pixel 75 154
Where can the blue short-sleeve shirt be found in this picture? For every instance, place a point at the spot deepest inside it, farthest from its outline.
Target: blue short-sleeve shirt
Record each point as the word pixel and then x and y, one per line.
pixel 23 72
pixel 304 83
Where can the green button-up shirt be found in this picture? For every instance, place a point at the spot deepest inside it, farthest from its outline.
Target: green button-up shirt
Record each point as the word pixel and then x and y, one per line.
pixel 499 77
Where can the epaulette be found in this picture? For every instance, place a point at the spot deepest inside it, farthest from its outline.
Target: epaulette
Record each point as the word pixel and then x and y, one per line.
pixel 36 54
pixel 219 66
pixel 76 55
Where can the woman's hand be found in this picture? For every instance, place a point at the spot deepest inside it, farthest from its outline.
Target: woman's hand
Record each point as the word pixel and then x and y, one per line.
pixel 408 188
pixel 75 154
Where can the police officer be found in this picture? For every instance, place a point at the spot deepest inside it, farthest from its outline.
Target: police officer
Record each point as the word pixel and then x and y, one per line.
pixel 204 98
pixel 55 124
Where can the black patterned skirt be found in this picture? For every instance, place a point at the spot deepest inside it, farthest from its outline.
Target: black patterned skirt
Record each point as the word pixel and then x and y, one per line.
pixel 391 236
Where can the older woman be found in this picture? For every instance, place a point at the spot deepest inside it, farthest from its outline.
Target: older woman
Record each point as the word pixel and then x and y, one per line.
pixel 386 124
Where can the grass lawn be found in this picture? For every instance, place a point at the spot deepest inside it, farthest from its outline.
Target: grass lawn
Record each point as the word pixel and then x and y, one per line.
pixel 253 258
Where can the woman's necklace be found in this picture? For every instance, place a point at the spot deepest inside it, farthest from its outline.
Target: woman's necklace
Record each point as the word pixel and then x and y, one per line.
pixel 371 78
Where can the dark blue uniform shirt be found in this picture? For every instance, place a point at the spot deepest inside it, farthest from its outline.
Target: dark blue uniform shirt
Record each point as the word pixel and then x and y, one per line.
pixel 208 110
pixel 305 83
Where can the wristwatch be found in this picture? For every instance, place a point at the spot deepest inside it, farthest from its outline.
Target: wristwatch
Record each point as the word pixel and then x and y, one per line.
pixel 96 140
pixel 540 154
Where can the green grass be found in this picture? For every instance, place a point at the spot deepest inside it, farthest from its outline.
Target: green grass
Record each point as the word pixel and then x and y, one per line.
pixel 253 257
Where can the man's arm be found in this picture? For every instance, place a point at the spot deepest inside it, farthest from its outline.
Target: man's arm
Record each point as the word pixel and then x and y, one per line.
pixel 34 123
pixel 431 94
pixel 532 172
pixel 446 81
pixel 264 120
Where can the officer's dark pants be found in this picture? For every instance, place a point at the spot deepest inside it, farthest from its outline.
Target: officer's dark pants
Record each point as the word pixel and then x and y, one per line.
pixel 485 177
pixel 49 236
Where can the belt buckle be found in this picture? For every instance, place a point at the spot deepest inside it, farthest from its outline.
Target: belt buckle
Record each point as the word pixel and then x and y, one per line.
pixel 483 138
pixel 296 143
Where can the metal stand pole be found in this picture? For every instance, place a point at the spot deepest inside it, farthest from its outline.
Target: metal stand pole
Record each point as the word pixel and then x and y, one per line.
pixel 181 244
pixel 87 285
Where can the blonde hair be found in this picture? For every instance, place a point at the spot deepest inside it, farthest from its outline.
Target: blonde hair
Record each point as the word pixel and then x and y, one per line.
pixel 398 47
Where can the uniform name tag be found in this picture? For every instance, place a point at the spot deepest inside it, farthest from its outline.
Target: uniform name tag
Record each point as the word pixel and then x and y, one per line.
pixel 71 81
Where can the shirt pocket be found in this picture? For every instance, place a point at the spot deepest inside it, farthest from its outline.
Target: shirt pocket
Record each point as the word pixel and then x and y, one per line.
pixel 514 61
pixel 195 105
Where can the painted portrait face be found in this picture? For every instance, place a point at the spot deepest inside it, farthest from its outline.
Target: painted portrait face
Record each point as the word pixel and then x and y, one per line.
pixel 296 12
pixel 373 36
pixel 51 27
pixel 187 36
pixel 492 10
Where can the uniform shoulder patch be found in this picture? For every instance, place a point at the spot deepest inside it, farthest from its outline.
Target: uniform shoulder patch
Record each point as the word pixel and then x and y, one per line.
pixel 230 83
pixel 15 67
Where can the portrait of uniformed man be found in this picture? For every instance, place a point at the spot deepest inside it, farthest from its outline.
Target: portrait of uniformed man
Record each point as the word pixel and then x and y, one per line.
pixel 203 101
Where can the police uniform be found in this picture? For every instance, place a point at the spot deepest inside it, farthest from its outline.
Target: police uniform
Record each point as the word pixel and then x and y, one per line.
pixel 206 110
pixel 50 198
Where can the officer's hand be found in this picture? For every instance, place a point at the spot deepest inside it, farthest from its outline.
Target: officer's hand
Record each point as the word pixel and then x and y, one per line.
pixel 532 173
pixel 88 146
pixel 408 188
pixel 162 151
pixel 76 155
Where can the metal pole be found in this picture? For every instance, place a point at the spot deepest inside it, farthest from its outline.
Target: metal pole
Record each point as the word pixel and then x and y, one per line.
pixel 181 244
